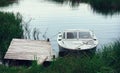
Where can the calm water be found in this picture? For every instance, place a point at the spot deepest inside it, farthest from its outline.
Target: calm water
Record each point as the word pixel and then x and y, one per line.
pixel 49 18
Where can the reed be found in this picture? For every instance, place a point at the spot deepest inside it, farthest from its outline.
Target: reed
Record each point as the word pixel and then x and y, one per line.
pixel 111 56
pixel 4 69
pixel 106 61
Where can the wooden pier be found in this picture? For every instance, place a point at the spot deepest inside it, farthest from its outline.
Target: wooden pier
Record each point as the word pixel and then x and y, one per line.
pixel 23 49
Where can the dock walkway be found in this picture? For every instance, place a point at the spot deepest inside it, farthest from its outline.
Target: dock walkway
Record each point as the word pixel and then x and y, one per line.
pixel 23 49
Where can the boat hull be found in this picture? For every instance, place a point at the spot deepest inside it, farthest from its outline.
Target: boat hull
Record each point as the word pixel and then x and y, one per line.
pixel 76 41
pixel 65 51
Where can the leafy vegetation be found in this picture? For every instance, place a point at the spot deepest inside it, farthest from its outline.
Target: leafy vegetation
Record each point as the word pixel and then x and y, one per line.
pixel 107 61
pixel 9 28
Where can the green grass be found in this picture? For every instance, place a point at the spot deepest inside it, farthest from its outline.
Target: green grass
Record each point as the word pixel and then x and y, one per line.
pixel 9 28
pixel 4 69
pixel 106 61
pixel 111 56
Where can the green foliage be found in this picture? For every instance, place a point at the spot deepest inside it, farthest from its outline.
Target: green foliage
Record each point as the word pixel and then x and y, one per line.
pixel 35 68
pixel 106 61
pixel 77 64
pixel 111 56
pixel 9 28
pixel 4 69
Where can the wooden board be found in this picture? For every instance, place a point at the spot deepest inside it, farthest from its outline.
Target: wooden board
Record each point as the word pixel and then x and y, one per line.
pixel 23 49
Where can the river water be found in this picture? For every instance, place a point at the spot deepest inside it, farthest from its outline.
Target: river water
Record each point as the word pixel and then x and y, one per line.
pixel 43 17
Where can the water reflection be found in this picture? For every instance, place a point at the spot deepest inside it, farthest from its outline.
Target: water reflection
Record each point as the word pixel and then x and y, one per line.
pixel 4 3
pixel 106 7
pixel 50 17
pixel 28 34
pixel 35 33
pixel 72 3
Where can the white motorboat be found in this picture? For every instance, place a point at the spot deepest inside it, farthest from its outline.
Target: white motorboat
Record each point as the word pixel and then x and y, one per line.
pixel 76 39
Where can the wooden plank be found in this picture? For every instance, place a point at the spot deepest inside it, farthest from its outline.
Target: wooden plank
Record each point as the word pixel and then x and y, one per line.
pixel 22 49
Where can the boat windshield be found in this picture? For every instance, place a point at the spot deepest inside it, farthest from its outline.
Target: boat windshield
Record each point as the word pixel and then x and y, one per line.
pixel 64 35
pixel 84 35
pixel 71 35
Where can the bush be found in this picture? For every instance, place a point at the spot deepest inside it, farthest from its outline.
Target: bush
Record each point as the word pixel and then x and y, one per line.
pixel 9 28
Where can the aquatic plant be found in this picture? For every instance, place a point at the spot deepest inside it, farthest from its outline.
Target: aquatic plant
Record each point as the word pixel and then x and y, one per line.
pixel 111 56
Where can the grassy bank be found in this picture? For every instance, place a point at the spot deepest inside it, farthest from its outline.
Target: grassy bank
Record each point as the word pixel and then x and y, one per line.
pixel 6 2
pixel 9 28
pixel 107 61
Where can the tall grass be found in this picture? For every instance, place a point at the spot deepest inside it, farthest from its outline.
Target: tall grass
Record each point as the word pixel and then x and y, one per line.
pixel 111 56
pixel 76 64
pixel 106 61
pixel 4 69
pixel 9 28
